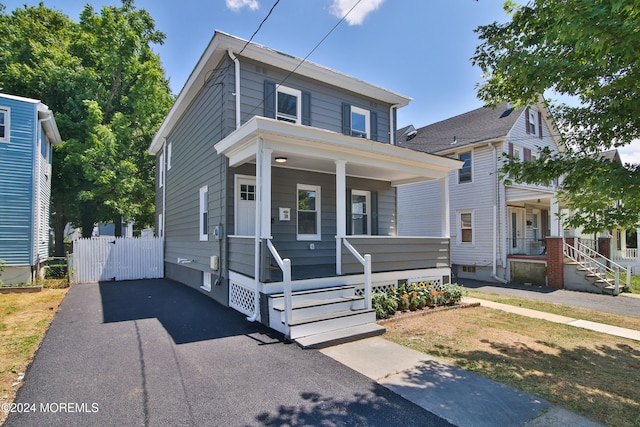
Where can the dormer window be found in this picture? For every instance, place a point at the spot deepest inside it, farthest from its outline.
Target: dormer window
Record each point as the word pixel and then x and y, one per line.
pixel 532 122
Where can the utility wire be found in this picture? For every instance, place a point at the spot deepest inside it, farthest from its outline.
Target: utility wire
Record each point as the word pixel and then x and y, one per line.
pixel 259 27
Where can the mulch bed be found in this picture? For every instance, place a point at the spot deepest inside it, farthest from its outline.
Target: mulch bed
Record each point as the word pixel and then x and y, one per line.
pixel 399 315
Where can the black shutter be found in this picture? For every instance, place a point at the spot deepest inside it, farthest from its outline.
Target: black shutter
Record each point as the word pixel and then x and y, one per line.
pixel 526 122
pixel 346 118
pixel 349 229
pixel 373 118
pixel 539 125
pixel 374 213
pixel 306 108
pixel 269 99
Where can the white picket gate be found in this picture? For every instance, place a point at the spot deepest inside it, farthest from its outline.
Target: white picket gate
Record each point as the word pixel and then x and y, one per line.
pixel 119 258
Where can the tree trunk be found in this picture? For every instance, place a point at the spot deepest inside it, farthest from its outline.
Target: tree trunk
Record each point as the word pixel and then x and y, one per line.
pixel 117 230
pixel 58 232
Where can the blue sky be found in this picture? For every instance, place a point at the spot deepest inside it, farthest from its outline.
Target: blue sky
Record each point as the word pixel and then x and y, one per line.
pixel 418 48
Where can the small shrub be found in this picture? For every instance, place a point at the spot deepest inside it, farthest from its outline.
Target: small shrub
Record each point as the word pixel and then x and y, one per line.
pixel 451 293
pixel 384 305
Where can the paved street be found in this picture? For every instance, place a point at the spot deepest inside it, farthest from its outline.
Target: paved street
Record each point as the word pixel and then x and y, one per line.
pixel 158 353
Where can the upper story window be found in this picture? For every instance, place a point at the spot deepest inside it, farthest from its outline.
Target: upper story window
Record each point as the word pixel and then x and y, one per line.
pixel 532 122
pixel 465 173
pixel 360 125
pixel 204 213
pixel 4 124
pixel 359 122
pixel 288 104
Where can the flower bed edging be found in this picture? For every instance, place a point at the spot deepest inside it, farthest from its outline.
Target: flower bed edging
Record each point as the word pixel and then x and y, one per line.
pixel 426 311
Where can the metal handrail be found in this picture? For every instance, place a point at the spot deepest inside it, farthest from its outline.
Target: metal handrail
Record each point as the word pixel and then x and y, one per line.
pixel 586 256
pixel 285 266
pixel 366 263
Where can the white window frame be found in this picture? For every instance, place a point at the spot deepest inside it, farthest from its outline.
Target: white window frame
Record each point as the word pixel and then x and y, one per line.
pixel 318 234
pixel 460 227
pixel 7 124
pixel 367 122
pixel 204 209
pixel 161 171
pixel 169 145
pixel 367 195
pixel 293 92
pixel 470 167
pixel 517 153
pixel 533 126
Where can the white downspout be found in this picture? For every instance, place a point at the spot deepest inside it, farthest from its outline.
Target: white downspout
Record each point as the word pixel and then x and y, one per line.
pixel 494 271
pixel 392 124
pixel 164 186
pixel 237 86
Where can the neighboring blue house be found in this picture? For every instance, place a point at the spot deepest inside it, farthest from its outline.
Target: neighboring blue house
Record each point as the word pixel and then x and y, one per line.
pixel 27 132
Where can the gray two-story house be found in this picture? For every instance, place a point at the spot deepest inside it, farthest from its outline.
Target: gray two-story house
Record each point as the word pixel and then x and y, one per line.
pixel 276 191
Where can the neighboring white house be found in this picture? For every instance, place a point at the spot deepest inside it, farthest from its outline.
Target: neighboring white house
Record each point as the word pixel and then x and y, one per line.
pixel 497 230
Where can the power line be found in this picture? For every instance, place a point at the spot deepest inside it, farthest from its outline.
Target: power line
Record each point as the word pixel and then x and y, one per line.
pixel 259 26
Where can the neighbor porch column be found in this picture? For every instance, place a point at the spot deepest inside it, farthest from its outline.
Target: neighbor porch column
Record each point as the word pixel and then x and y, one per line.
pixel 556 230
pixel 444 203
pixel 341 210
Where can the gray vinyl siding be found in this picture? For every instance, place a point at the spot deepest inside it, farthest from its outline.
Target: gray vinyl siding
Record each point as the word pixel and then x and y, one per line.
pixel 326 101
pixel 194 164
pixel 419 209
pixel 17 184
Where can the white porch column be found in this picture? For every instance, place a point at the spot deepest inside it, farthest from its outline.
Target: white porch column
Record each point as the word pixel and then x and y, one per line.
pixel 555 219
pixel 264 187
pixel 341 210
pixel 445 221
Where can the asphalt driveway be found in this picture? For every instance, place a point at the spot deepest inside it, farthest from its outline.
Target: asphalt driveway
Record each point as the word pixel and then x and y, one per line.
pixel 158 353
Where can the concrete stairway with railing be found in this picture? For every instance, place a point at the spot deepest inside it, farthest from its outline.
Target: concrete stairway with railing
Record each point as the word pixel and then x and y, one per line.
pixel 324 317
pixel 586 270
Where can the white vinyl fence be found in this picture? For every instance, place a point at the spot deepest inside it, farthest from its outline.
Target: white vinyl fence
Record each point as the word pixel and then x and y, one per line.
pixel 119 258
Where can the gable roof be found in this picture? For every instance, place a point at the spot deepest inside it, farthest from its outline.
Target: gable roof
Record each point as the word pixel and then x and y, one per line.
pixel 45 115
pixel 222 43
pixel 611 155
pixel 482 124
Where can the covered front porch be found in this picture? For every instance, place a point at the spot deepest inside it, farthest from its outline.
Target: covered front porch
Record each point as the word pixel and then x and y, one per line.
pixel 323 216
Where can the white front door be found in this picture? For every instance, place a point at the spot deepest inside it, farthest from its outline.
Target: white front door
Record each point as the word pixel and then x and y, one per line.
pixel 245 200
pixel 516 231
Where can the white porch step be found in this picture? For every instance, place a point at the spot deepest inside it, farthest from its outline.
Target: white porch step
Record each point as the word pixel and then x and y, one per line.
pixel 341 336
pixel 330 322
pixel 302 309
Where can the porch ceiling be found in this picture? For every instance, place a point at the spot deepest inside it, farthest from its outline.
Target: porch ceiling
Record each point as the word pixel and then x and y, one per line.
pixel 313 149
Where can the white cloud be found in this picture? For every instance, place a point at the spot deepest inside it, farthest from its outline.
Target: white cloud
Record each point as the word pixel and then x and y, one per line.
pixel 236 5
pixel 340 7
pixel 630 153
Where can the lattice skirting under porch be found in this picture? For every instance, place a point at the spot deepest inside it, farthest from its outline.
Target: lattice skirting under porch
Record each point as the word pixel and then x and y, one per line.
pixel 386 287
pixel 242 298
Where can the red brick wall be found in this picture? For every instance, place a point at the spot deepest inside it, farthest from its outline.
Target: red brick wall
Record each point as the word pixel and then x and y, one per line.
pixel 555 262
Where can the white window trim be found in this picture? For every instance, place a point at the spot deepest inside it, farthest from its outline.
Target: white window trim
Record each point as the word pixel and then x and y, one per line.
pixel 7 124
pixel 367 195
pixel 293 92
pixel 161 170
pixel 318 233
pixel 169 155
pixel 533 126
pixel 471 165
pixel 204 208
pixel 459 227
pixel 367 120
pixel 517 152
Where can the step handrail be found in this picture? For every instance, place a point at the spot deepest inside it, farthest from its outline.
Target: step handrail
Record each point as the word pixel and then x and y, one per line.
pixel 613 267
pixel 285 266
pixel 586 256
pixel 365 260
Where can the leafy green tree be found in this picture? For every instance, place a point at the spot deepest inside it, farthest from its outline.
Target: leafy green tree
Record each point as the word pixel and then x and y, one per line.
pixel 109 94
pixel 588 50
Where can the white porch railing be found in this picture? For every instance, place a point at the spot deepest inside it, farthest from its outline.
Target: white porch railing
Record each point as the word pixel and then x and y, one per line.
pixel 285 266
pixel 626 254
pixel 587 257
pixel 366 263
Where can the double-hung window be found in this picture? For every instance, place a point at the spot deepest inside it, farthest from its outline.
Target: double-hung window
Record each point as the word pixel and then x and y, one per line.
pixel 360 125
pixel 308 212
pixel 4 125
pixel 288 104
pixel 465 173
pixel 204 213
pixel 360 212
pixel 465 221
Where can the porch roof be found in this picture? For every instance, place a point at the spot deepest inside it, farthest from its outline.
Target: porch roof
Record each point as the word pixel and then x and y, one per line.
pixel 314 149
